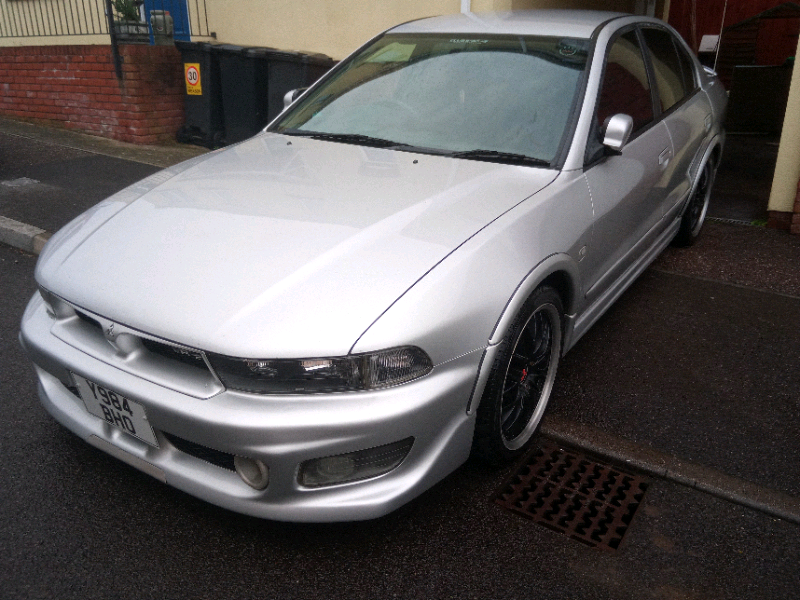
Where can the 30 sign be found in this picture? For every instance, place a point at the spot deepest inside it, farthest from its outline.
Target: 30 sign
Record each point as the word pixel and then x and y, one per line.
pixel 192 76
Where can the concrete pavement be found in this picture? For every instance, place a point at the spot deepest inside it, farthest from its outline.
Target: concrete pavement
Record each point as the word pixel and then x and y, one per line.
pixel 726 450
pixel 158 156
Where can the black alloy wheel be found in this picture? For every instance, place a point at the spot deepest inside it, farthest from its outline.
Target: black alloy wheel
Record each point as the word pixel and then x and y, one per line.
pixel 695 214
pixel 522 378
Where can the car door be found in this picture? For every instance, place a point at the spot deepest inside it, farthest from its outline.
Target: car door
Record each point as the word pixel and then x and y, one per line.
pixel 685 108
pixel 627 190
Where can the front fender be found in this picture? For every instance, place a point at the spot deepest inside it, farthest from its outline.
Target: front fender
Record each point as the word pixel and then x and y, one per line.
pixel 557 267
pixel 466 303
pixel 561 265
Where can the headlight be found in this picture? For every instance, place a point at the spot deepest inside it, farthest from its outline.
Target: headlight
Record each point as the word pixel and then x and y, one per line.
pixel 56 308
pixel 314 375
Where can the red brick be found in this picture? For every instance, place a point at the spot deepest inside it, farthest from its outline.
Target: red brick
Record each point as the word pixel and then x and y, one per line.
pixel 168 122
pixel 77 97
pixel 76 87
pixel 779 219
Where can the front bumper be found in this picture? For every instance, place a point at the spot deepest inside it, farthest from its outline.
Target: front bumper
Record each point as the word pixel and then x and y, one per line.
pixel 281 431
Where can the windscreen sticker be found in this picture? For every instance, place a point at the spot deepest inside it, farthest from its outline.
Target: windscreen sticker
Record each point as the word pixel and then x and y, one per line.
pixel 394 52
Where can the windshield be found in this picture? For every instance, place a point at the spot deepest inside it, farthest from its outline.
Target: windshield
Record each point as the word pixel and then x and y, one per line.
pixel 480 97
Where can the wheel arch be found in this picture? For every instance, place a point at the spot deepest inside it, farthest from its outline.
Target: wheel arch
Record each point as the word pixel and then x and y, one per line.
pixel 712 154
pixel 716 153
pixel 558 271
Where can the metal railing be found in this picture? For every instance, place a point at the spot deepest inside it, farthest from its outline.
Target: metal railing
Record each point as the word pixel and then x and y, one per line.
pixel 51 18
pixel 58 18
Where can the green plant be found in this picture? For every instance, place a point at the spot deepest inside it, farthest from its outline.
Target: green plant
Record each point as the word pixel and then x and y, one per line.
pixel 126 10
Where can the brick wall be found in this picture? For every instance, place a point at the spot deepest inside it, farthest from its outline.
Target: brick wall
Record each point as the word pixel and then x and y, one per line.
pixel 795 226
pixel 75 87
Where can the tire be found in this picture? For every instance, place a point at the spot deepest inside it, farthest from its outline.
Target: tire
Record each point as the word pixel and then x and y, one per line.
pixel 521 380
pixel 696 208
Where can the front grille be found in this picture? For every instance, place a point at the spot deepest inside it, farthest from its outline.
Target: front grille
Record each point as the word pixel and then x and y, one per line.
pixel 157 350
pixel 181 355
pixel 89 320
pixel 568 493
pixel 215 457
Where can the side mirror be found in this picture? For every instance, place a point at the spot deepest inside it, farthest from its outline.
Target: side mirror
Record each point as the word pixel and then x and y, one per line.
pixel 291 96
pixel 618 130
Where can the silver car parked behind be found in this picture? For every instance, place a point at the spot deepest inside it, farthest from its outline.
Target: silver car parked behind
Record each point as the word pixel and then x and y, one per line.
pixel 323 321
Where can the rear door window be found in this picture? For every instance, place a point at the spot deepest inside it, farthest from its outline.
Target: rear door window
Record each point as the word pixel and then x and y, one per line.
pixel 673 82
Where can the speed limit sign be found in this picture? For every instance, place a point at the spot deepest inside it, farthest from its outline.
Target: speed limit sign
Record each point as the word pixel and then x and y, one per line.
pixel 192 72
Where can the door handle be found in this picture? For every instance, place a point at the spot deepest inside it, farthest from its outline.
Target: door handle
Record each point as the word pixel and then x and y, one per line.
pixel 664 157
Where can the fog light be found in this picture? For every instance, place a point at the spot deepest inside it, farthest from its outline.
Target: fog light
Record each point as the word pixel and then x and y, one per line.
pixel 353 466
pixel 252 471
pixel 336 468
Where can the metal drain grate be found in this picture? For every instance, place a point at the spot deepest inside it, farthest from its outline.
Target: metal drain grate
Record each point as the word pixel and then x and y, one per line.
pixel 571 494
pixel 751 223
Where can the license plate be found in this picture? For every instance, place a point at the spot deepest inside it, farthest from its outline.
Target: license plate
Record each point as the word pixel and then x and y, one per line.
pixel 115 409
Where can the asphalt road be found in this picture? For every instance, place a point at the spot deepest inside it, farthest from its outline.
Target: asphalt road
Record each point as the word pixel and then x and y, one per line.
pixel 75 523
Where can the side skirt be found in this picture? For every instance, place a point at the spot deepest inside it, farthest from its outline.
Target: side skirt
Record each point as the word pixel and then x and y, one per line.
pixel 579 325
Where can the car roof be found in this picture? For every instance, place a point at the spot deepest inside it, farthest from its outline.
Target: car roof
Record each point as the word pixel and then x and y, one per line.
pixel 551 22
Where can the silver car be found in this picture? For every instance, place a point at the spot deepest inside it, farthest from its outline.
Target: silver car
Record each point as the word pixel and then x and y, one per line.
pixel 323 321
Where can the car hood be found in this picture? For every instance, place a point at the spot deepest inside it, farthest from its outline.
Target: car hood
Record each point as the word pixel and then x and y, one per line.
pixel 279 246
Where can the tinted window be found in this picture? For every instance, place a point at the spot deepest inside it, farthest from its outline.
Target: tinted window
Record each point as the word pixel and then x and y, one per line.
pixel 669 75
pixel 625 86
pixel 687 66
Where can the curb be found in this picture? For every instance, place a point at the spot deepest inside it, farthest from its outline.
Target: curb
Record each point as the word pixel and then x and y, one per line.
pixel 671 468
pixel 23 236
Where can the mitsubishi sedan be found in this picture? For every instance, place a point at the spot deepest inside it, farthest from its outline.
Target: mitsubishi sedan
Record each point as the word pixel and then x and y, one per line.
pixel 323 321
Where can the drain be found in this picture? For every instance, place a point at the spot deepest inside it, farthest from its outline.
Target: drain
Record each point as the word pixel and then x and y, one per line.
pixel 571 494
pixel 750 223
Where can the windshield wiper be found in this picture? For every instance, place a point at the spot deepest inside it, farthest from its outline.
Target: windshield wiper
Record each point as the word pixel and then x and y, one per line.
pixel 347 138
pixel 503 157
